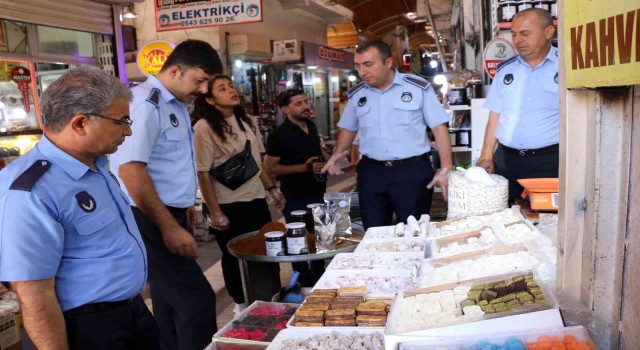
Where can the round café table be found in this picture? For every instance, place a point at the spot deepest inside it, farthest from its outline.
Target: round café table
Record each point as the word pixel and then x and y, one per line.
pixel 248 252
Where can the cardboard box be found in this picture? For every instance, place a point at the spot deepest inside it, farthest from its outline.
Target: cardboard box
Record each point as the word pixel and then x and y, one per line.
pixel 10 331
pixel 543 193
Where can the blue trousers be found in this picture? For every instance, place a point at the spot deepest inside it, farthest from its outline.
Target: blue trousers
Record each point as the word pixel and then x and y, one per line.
pixel 401 190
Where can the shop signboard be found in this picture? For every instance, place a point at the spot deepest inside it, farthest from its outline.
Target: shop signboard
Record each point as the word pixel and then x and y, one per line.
pixel 152 55
pixel 184 14
pixel 602 41
pixel 322 56
pixel 496 51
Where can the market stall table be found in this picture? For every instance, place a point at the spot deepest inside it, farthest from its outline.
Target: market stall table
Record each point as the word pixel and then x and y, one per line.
pixel 251 247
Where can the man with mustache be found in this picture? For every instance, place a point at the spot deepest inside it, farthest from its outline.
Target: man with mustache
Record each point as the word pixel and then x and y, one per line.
pixel 524 105
pixel 70 246
pixel 293 154
pixel 157 167
pixel 391 111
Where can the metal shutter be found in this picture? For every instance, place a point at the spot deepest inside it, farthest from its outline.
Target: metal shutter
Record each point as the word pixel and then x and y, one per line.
pixel 82 15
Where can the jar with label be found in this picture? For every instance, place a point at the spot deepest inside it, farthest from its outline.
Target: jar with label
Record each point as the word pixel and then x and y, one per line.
pixel 298 215
pixel 507 9
pixel 274 242
pixel 554 9
pixel 308 218
pixel 474 89
pixel 542 4
pixel 296 239
pixel 457 95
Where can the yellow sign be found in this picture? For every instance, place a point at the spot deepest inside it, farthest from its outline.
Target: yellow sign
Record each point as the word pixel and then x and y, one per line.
pixel 152 56
pixel 602 40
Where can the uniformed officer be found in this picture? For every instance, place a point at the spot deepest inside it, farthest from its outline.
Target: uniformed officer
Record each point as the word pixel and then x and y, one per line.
pixel 157 166
pixel 524 103
pixel 70 244
pixel 392 111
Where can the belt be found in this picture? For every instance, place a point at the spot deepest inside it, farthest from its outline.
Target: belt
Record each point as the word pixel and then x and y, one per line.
pixel 531 152
pixel 103 306
pixel 398 162
pixel 175 209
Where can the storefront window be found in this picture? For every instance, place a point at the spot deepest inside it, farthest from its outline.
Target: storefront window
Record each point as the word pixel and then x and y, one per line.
pixel 59 41
pixel 13 37
pixel 18 108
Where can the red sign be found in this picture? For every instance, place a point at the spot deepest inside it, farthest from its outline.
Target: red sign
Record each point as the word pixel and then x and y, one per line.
pixel 328 54
pixel 22 76
pixel 496 51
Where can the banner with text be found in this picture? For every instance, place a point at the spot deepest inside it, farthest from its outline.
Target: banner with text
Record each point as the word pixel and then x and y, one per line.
pixel 183 14
pixel 602 41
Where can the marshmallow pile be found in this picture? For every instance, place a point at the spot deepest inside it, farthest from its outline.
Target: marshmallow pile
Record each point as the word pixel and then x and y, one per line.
pixel 472 223
pixel 334 340
pixel 403 245
pixel 475 192
pixel 366 261
pixel 476 268
pixel 374 284
pixel 437 309
pixel 487 239
pixel 517 233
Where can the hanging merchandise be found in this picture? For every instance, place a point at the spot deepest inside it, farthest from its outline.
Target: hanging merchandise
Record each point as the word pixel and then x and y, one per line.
pixel 506 10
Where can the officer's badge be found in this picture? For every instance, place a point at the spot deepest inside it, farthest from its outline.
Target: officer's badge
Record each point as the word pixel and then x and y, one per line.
pixel 174 120
pixel 508 79
pixel 555 78
pixel 85 201
pixel 406 97
pixel 362 101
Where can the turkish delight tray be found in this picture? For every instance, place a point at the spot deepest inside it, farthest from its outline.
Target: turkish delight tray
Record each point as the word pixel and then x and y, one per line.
pixel 412 228
pixel 377 282
pixel 375 261
pixel 474 223
pixel 481 299
pixel 327 338
pixel 392 245
pixel 554 338
pixel 258 324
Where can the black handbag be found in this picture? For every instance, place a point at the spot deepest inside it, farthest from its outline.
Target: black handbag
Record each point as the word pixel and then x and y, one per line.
pixel 238 169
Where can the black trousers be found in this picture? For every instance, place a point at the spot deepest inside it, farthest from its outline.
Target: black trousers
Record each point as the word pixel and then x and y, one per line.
pixel 311 271
pixel 184 303
pixel 514 167
pixel 127 326
pixel 264 277
pixel 401 190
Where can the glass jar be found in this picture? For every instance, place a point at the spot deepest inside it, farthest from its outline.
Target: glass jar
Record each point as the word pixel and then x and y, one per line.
pixel 274 242
pixel 524 5
pixel 507 9
pixel 296 239
pixel 298 215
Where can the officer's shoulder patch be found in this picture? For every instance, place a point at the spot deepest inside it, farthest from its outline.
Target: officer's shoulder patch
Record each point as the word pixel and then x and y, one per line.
pixel 417 81
pixel 29 177
pixel 505 63
pixel 355 89
pixel 154 97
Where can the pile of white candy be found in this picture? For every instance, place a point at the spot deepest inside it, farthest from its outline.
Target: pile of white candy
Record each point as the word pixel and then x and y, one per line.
pixel 474 192
pixel 366 261
pixel 393 246
pixel 486 240
pixel 476 268
pixel 438 309
pixel 472 223
pixel 517 233
pixel 374 284
pixel 335 340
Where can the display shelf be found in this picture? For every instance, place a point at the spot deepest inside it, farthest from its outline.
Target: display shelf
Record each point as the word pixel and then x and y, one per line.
pixel 507 25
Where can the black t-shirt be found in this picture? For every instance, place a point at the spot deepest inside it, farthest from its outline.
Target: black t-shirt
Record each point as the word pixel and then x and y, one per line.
pixel 293 146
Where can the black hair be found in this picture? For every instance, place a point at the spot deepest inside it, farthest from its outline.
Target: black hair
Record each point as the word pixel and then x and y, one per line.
pixel 195 54
pixel 284 98
pixel 383 49
pixel 203 110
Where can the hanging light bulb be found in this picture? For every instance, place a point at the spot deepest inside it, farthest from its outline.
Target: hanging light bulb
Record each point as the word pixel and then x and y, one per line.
pixel 352 78
pixel 127 12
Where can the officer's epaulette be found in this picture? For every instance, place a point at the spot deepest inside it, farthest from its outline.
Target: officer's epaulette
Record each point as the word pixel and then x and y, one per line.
pixel 504 63
pixel 154 97
pixel 29 177
pixel 417 81
pixel 355 89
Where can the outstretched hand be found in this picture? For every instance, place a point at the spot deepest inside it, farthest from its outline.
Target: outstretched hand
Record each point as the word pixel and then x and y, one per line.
pixel 442 177
pixel 332 166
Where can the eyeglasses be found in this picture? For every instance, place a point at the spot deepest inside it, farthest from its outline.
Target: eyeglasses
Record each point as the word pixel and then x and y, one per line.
pixel 125 120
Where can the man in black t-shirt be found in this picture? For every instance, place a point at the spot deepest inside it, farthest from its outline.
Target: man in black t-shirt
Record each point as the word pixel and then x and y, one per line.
pixel 294 154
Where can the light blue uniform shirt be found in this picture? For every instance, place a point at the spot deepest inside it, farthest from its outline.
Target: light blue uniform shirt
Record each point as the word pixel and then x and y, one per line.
pixel 527 100
pixel 393 123
pixel 59 218
pixel 163 139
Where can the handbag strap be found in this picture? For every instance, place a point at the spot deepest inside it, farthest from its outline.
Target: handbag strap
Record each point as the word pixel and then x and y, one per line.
pixel 241 125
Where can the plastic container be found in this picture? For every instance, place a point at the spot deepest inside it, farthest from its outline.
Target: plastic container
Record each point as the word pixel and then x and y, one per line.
pixel 506 10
